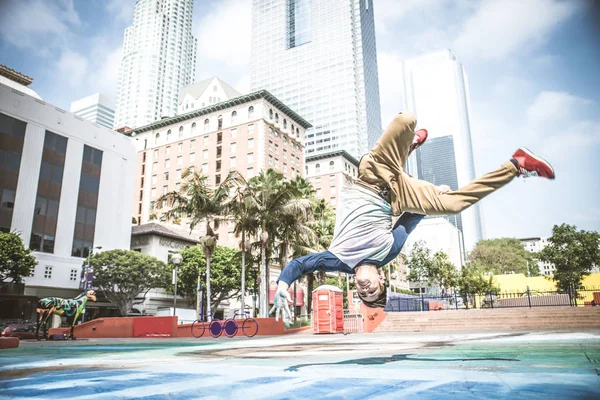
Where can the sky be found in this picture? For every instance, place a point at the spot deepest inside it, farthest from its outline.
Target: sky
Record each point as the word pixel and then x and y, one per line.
pixel 532 65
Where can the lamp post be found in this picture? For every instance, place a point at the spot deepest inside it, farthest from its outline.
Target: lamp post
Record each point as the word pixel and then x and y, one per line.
pixel 84 281
pixel 176 259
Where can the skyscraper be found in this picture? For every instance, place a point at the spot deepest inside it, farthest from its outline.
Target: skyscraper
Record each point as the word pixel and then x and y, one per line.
pixel 436 89
pixel 319 57
pixel 96 108
pixel 159 57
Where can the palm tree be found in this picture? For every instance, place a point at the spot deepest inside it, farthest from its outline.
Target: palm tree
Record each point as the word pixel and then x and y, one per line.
pixel 268 196
pixel 197 202
pixel 293 221
pixel 239 206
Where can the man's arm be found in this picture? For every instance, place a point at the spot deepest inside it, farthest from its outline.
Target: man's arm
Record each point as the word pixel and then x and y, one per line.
pixel 324 261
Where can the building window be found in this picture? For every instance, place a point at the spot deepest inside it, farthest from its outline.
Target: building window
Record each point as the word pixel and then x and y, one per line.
pixel 168 135
pixel 251 129
pixel 331 165
pixel 193 128
pixel 233 147
pixel 217 181
pixel 250 112
pixel 192 157
pixel 270 113
pixel 165 189
pixel 166 176
pixel 233 117
pixel 154 179
pixel 250 143
pixel 73 276
pixel 276 118
pixel 205 154
pixel 332 189
pixel 218 166
pixel 155 153
pixel 317 168
pixel 204 168
pixel 153 192
pixel 48 194
pixel 205 140
pixel 192 143
pixel 181 131
pixel 298 22
pixel 178 174
pixel 231 162
pixel 167 150
pixel 48 272
pixel 284 123
pixel 234 133
pixel 250 158
pixel 177 186
pixel 156 137
pixel 168 162
pixel 87 203
pixel 249 172
pixel 154 166
pixel 206 125
pixel 220 122
pixel 180 160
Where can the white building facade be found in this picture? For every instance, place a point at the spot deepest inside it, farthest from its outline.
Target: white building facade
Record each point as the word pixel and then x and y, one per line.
pixel 319 57
pixel 436 89
pixel 534 245
pixel 204 93
pixel 329 173
pixel 159 57
pixel 96 108
pixel 65 186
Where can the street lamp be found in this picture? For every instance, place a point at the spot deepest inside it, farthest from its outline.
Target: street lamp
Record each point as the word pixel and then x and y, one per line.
pixel 85 283
pixel 176 259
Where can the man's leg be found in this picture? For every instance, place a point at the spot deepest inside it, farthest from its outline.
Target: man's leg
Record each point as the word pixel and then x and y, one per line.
pixel 384 167
pixel 402 228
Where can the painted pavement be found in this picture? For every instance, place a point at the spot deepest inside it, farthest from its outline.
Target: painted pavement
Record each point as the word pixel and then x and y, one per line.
pixel 523 365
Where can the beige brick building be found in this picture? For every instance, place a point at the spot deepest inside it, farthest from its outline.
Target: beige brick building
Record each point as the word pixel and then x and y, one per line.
pixel 248 133
pixel 329 172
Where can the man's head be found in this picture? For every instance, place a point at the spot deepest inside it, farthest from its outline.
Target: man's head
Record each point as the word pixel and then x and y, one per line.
pixel 370 285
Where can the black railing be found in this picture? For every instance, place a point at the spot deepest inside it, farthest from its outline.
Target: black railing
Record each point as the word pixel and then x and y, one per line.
pixel 461 301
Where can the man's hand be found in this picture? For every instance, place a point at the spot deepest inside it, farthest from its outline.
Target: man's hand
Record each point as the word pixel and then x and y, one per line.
pixel 442 189
pixel 280 304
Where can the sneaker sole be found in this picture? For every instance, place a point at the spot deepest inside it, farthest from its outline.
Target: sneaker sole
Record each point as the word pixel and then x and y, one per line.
pixel 526 150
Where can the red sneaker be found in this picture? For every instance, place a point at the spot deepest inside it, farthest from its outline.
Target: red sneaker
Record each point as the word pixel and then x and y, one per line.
pixel 420 138
pixel 532 165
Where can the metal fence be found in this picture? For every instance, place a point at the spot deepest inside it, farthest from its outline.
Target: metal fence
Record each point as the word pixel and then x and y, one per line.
pixel 353 322
pixel 529 298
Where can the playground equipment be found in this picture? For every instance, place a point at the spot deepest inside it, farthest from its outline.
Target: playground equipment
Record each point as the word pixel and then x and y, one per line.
pixel 71 308
pixel 229 326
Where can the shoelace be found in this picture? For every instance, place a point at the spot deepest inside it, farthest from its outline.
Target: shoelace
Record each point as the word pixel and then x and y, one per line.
pixel 525 173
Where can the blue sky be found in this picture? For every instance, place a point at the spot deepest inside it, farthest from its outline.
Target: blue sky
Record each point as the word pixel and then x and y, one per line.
pixel 532 67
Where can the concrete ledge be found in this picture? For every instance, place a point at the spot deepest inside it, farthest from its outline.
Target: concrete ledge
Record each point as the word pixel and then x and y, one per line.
pixel 9 343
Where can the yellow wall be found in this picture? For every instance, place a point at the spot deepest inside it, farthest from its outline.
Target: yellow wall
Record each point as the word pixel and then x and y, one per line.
pixel 519 283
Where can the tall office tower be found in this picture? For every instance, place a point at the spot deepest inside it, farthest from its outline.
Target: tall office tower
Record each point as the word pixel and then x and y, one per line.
pixel 96 108
pixel 319 58
pixel 436 89
pixel 159 57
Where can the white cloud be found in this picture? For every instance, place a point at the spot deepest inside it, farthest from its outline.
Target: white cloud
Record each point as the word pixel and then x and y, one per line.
pixel 36 24
pixel 552 107
pixel 121 10
pixel 73 67
pixel 224 33
pixel 499 29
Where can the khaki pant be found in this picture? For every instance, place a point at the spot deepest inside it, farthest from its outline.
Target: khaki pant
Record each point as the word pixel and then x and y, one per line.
pixel 384 165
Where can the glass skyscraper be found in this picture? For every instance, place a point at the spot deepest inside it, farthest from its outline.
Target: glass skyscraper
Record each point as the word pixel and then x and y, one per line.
pixel 159 58
pixel 319 58
pixel 436 89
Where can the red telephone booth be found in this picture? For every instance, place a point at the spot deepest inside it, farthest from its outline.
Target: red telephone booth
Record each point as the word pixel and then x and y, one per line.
pixel 328 309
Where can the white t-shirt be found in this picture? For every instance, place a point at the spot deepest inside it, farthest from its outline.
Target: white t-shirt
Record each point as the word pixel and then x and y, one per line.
pixel 363 227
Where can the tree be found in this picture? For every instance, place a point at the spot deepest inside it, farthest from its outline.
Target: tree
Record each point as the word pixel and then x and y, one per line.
pixel 472 281
pixel 122 275
pixel 16 262
pixel 226 277
pixel 573 253
pixel 428 270
pixel 502 256
pixel 197 202
pixel 268 195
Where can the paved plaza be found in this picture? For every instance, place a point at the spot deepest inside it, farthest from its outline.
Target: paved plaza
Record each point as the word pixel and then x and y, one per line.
pixel 524 365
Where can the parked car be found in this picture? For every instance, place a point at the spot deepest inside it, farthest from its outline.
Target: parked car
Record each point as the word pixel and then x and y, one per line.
pixel 22 331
